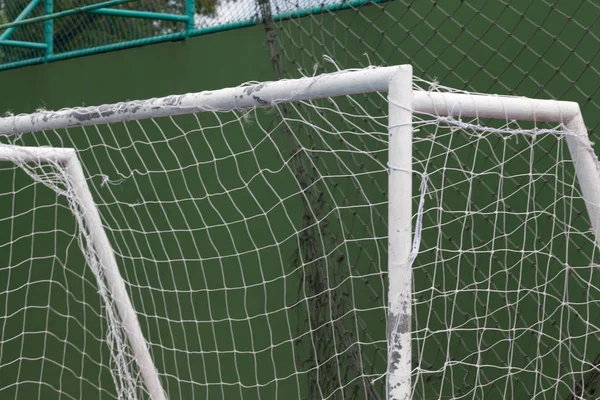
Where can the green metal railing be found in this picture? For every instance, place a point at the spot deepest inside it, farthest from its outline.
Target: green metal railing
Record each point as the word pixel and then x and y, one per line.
pixel 32 39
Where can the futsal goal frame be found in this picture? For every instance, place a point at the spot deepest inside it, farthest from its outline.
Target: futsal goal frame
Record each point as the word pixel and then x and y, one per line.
pixel 403 103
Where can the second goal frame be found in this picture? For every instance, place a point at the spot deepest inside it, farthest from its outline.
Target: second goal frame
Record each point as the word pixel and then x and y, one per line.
pixel 403 103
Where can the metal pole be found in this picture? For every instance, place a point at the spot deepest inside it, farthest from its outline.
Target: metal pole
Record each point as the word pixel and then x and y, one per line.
pixel 114 280
pixel 267 94
pixel 190 12
pixel 587 169
pixel 115 12
pixel 21 16
pixel 49 28
pixel 62 14
pixel 400 235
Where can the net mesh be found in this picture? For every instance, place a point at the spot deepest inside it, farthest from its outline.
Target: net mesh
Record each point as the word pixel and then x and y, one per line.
pixel 506 277
pixel 253 245
pixel 537 49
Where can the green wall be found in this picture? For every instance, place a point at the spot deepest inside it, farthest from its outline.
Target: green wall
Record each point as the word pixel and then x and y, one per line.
pixel 208 62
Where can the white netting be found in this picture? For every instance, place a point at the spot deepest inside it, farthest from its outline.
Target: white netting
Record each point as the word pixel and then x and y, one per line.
pixel 52 174
pixel 253 244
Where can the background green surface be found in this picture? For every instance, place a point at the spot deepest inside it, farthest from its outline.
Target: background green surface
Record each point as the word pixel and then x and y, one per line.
pixel 527 48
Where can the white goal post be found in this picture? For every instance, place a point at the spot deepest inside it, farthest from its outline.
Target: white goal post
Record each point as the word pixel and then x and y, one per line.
pixel 403 220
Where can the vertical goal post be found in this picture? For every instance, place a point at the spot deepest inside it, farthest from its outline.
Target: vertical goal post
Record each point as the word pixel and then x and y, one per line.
pixel 403 103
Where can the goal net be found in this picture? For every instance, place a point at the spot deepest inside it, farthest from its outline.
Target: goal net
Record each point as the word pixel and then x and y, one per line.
pixel 313 238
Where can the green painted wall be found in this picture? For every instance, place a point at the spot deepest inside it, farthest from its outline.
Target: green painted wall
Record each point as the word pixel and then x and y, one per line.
pixel 208 62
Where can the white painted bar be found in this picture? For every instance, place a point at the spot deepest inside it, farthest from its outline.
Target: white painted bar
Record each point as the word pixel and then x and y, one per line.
pixel 35 154
pixel 261 94
pixel 340 83
pixel 114 280
pixel 400 235
pixel 493 106
pixel 587 170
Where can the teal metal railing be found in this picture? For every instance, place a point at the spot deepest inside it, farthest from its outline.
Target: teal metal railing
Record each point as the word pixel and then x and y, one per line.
pixel 41 31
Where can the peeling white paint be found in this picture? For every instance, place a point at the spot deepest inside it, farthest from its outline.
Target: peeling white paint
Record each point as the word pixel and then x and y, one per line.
pixel 399 234
pixel 399 382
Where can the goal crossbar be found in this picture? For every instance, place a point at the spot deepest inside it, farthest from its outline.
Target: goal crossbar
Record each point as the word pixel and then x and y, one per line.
pixel 335 84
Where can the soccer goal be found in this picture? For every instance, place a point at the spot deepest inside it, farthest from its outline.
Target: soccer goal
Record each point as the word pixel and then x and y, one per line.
pixel 362 234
